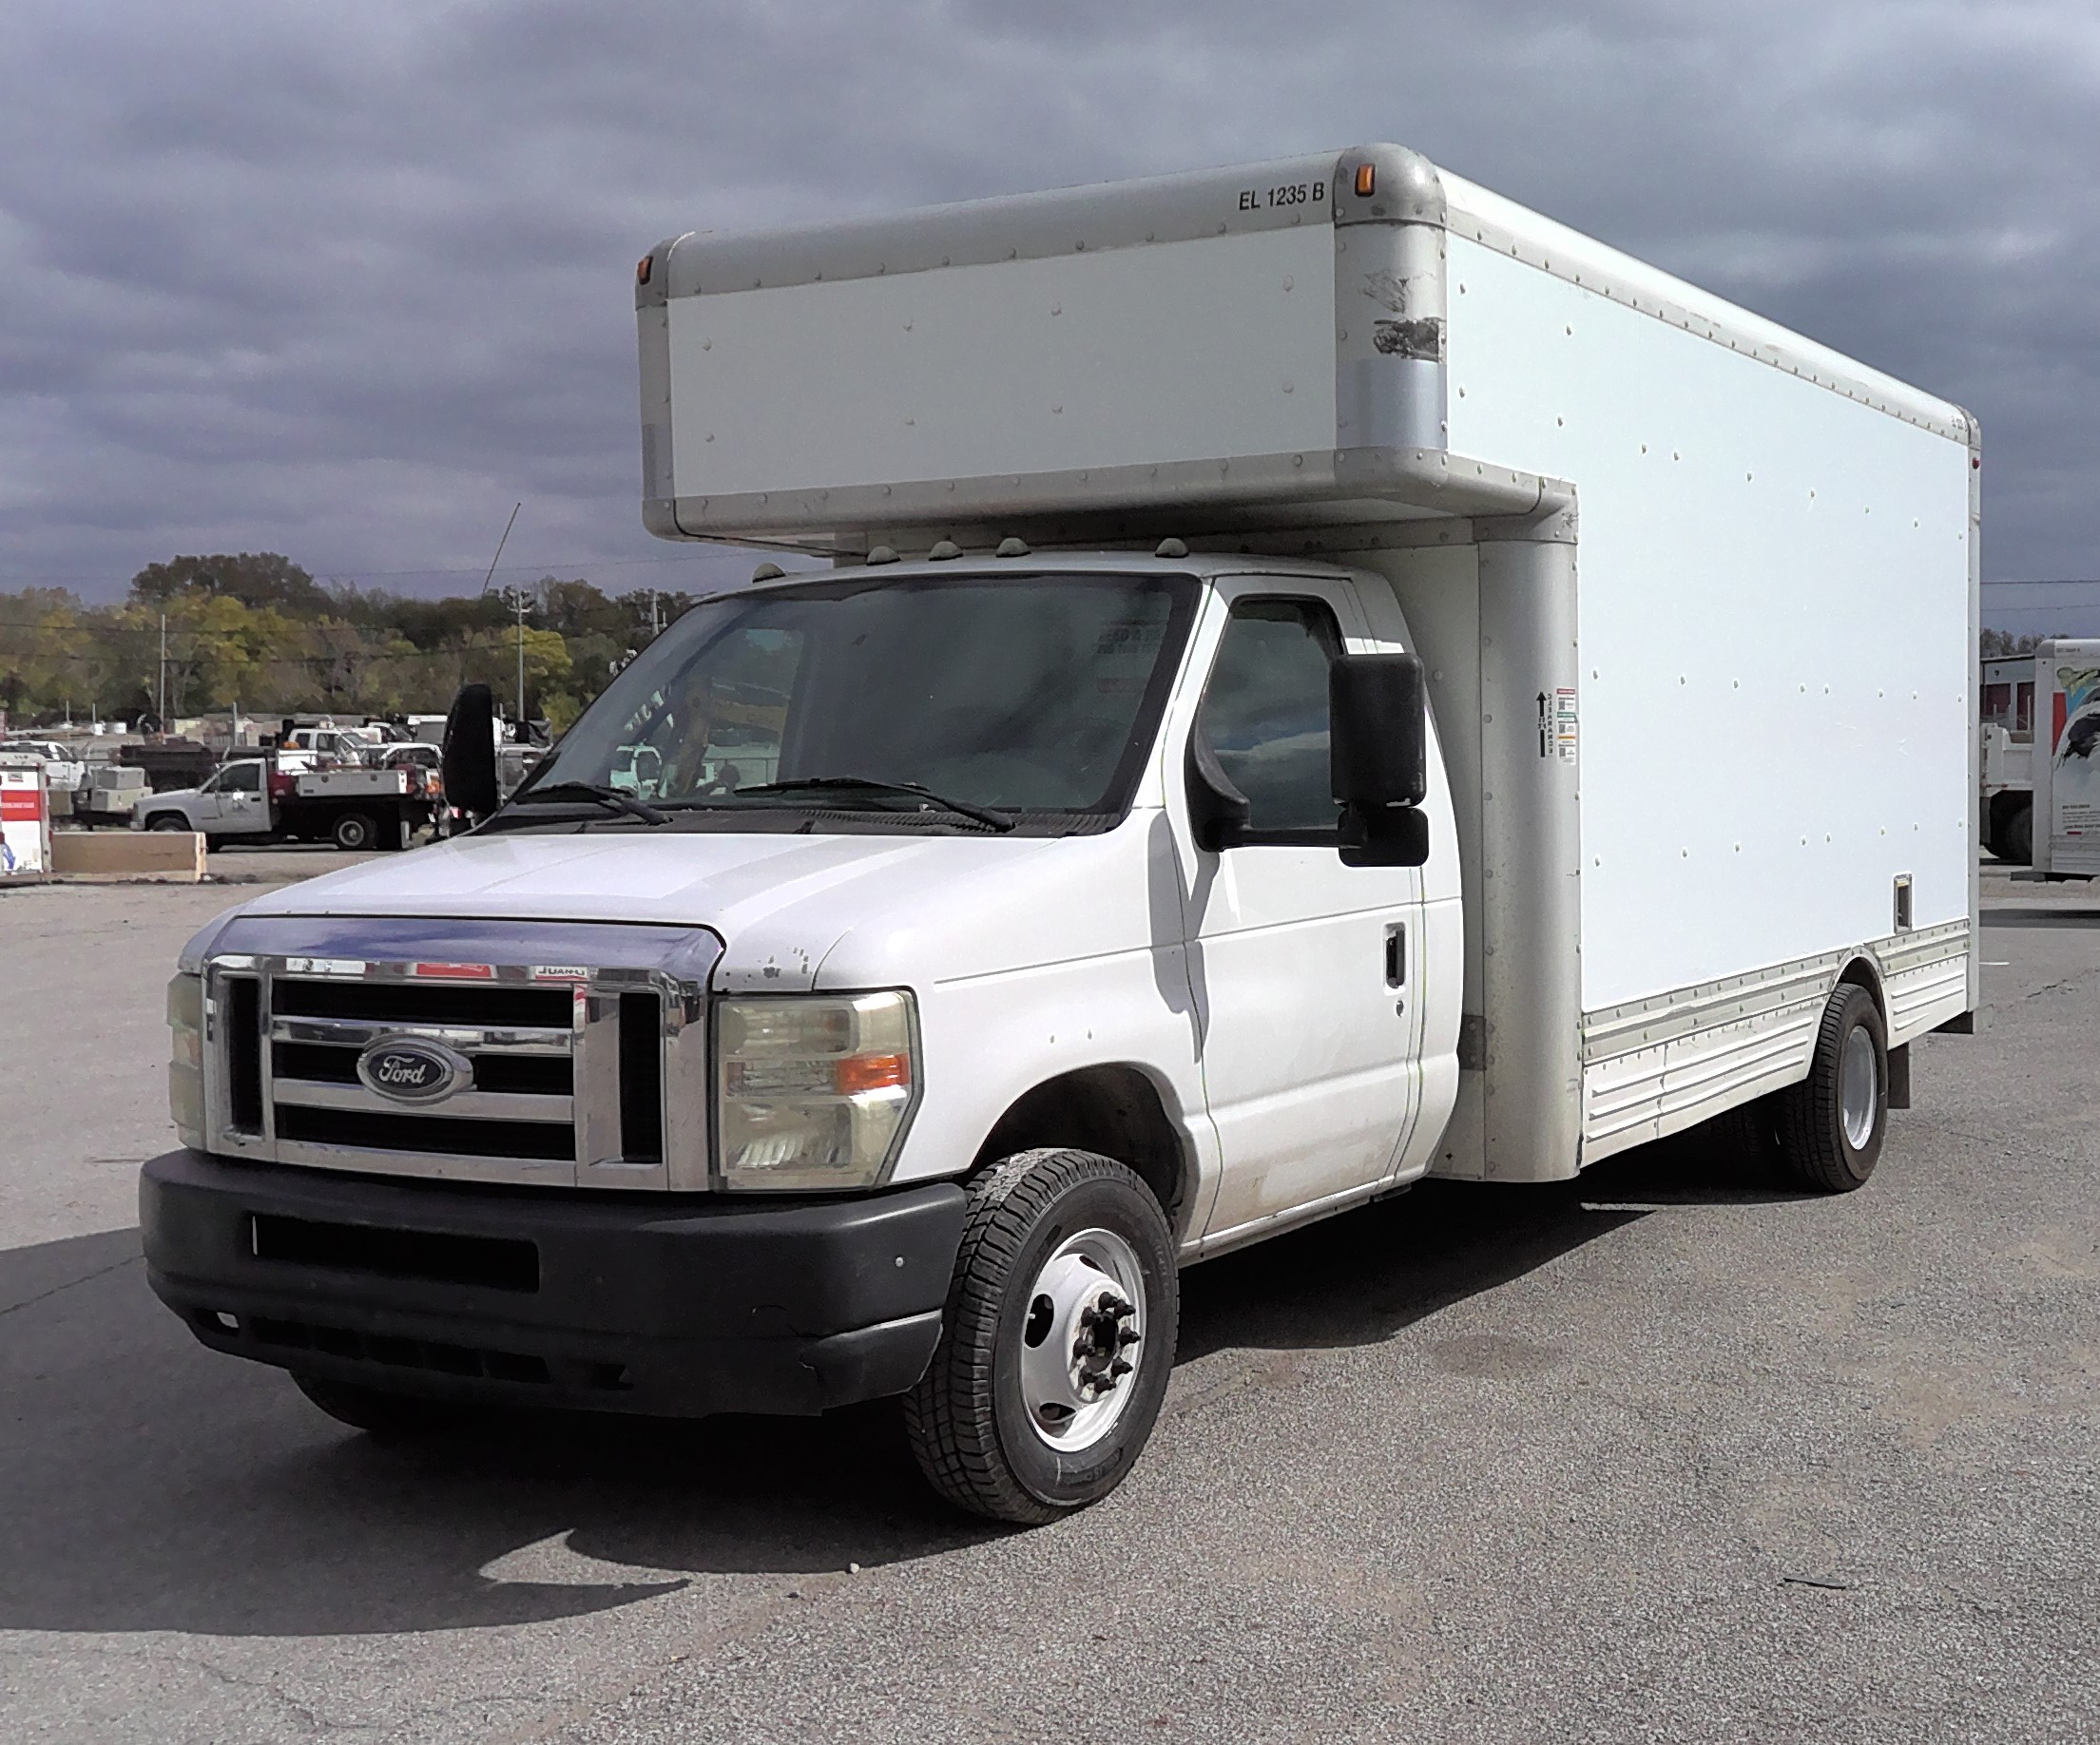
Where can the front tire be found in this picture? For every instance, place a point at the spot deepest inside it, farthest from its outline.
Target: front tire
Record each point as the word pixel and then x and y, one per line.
pixel 1057 1342
pixel 1831 1124
pixel 167 820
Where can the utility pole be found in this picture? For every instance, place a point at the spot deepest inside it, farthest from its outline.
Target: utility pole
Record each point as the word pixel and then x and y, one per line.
pixel 519 599
pixel 515 599
pixel 162 712
pixel 520 593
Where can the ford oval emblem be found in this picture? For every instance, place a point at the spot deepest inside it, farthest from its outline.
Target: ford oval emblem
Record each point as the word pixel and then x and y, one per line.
pixel 409 1069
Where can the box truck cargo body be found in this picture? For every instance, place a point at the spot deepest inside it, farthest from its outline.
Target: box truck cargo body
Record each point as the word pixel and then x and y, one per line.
pixel 1733 573
pixel 1326 677
pixel 2064 761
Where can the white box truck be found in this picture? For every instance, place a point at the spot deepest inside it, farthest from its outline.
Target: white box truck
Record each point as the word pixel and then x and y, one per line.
pixel 2043 766
pixel 1325 678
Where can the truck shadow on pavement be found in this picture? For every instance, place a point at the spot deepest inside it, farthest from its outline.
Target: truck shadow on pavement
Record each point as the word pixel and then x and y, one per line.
pixel 1362 1276
pixel 148 1484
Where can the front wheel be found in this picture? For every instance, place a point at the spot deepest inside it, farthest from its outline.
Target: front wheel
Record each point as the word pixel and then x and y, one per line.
pixel 1831 1126
pixel 1057 1342
pixel 167 820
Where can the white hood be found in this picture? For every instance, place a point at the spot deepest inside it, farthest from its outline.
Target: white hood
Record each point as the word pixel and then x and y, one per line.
pixel 780 903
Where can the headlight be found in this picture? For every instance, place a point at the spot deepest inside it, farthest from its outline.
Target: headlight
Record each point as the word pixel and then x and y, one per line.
pixel 185 1067
pixel 812 1092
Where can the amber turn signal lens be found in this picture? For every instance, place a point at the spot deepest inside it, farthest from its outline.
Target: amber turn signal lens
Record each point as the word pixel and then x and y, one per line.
pixel 1367 179
pixel 870 1072
pixel 643 269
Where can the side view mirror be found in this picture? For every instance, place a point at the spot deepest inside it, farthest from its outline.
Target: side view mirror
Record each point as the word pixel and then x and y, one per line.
pixel 1218 812
pixel 1379 749
pixel 468 759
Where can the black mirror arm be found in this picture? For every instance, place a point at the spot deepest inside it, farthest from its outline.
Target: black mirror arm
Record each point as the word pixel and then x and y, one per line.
pixel 1218 812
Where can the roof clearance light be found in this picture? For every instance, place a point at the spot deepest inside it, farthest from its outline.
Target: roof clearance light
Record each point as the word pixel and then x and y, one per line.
pixel 643 268
pixel 1367 182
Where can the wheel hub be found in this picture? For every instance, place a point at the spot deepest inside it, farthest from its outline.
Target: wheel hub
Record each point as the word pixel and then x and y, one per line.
pixel 1859 1087
pixel 1081 1339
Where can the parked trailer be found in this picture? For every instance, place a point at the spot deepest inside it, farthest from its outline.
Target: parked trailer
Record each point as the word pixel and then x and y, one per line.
pixel 252 801
pixel 1314 695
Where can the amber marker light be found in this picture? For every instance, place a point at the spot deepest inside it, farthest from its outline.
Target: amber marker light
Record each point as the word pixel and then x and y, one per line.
pixel 872 1072
pixel 643 268
pixel 1367 179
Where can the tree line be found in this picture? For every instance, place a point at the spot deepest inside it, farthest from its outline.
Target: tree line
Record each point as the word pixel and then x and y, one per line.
pixel 255 631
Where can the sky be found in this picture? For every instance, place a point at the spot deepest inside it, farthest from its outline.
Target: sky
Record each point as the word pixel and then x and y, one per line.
pixel 348 282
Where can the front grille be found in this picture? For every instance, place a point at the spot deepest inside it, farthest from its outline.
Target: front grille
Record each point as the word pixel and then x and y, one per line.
pixel 431 1135
pixel 243 1021
pixel 530 1053
pixel 423 1003
pixel 516 1101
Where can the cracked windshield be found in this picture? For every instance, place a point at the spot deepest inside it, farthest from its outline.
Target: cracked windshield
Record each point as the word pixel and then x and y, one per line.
pixel 1028 694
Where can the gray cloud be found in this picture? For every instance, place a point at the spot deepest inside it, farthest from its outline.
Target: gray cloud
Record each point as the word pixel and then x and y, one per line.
pixel 348 282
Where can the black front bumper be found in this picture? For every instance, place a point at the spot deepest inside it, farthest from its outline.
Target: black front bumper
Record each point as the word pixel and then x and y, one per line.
pixel 677 1306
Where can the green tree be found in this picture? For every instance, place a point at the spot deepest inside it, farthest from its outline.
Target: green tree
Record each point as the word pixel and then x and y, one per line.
pixel 260 579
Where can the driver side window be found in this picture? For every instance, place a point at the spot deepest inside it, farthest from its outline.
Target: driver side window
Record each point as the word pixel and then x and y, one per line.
pixel 1264 713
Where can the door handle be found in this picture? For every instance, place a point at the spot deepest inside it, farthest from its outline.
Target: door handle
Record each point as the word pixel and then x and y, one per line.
pixel 1395 954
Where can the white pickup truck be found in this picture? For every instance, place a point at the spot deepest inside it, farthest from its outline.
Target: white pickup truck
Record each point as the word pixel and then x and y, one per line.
pixel 1315 690
pixel 65 766
pixel 249 800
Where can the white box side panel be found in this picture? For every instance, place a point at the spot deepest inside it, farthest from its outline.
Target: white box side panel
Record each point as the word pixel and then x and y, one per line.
pixel 1177 351
pixel 1773 626
pixel 1479 215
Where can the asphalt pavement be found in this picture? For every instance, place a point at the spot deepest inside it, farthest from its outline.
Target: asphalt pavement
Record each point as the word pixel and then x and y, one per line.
pixel 1671 1452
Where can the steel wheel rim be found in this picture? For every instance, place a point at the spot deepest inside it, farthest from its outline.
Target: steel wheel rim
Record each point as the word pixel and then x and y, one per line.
pixel 1859 1087
pixel 1082 1339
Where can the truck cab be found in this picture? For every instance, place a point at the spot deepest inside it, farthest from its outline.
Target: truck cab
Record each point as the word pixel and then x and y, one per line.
pixel 234 801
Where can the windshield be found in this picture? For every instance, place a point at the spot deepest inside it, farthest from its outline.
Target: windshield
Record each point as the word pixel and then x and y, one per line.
pixel 1032 694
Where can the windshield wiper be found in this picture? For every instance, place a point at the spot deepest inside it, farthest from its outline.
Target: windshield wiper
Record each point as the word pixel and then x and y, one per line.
pixel 561 793
pixel 984 815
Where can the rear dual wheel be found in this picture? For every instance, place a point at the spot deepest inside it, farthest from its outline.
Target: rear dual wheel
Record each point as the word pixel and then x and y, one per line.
pixel 1057 1342
pixel 1826 1132
pixel 353 831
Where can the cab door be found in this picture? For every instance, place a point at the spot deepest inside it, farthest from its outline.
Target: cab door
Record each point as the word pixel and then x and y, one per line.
pixel 241 811
pixel 1300 965
pixel 210 802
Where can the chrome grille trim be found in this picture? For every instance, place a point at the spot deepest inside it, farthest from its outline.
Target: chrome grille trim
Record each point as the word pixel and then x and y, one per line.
pixel 463 1134
pixel 362 1032
pixel 460 1106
